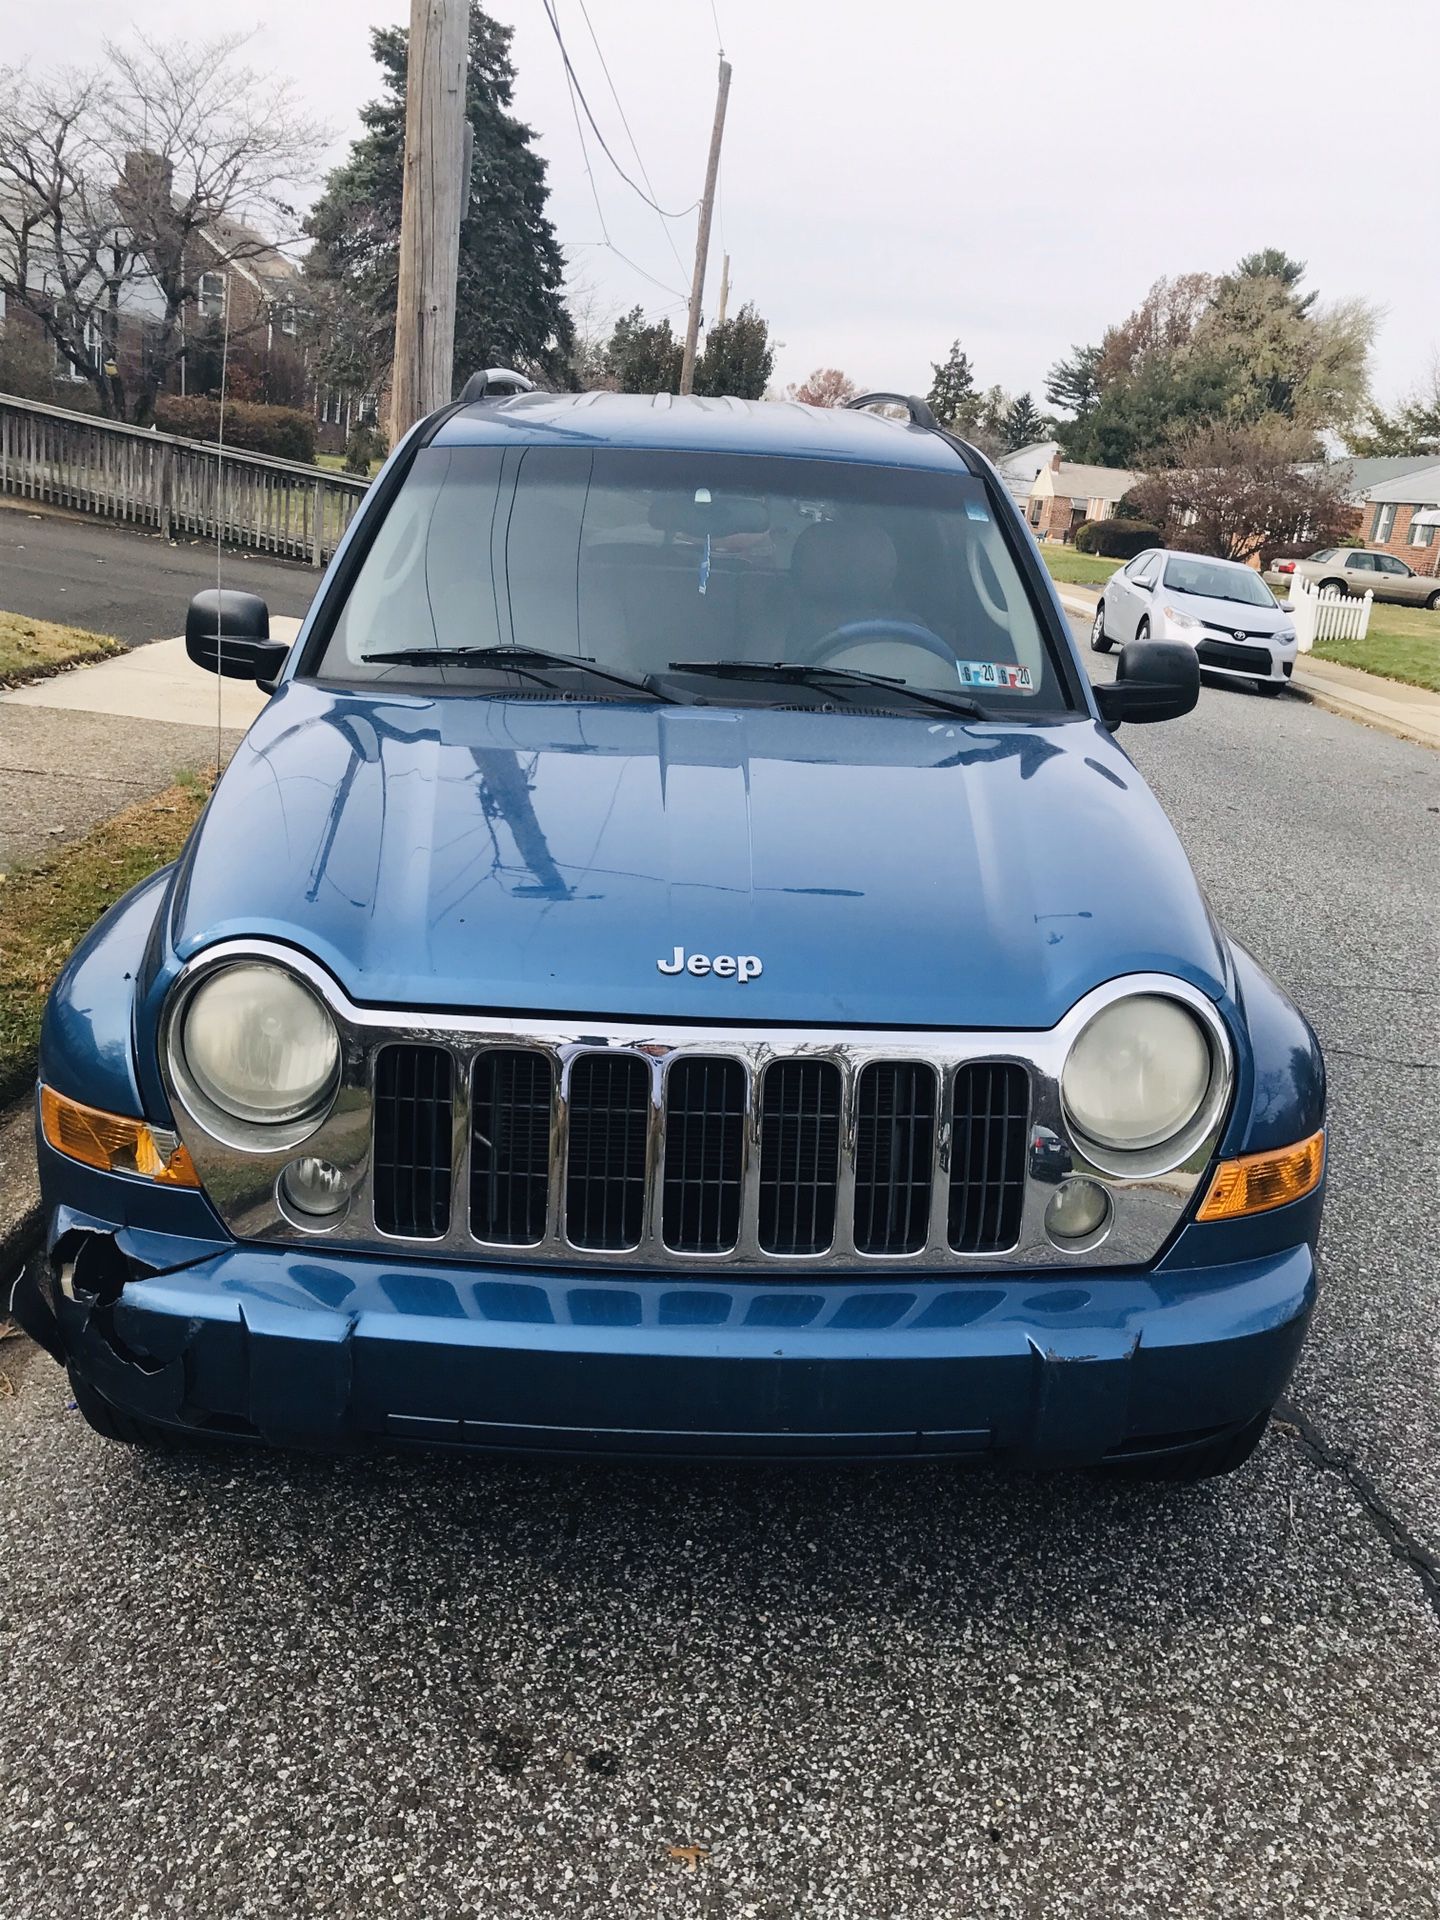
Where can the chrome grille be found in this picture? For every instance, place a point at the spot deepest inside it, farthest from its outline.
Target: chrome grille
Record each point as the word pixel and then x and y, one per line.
pixel 705 1107
pixel 512 1097
pixel 987 1164
pixel 609 1109
pixel 411 1181
pixel 895 1104
pixel 626 1146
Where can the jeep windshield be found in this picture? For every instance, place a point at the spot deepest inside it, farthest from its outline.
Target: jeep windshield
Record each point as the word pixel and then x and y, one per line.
pixel 627 574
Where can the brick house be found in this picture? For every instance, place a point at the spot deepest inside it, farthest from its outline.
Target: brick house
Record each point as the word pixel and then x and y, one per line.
pixel 1387 522
pixel 1064 493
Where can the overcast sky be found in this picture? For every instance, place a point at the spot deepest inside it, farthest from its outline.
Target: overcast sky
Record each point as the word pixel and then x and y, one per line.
pixel 900 173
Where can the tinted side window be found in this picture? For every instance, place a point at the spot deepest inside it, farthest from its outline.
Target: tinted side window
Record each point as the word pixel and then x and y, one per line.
pixel 1364 562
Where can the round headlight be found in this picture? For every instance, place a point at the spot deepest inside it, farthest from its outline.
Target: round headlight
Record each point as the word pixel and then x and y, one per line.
pixel 259 1045
pixel 1138 1074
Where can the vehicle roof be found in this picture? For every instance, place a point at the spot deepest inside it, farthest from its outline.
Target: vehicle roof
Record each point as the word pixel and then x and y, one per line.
pixel 691 424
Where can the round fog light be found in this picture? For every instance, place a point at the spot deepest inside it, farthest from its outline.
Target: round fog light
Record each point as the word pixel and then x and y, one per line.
pixel 1077 1212
pixel 315 1187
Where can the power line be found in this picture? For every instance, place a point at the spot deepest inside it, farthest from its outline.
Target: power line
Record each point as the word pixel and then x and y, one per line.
pixel 649 200
pixel 635 267
pixel 719 37
pixel 634 148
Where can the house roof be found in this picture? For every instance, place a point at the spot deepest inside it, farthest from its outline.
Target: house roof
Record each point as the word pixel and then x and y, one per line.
pixel 1358 477
pixel 1040 450
pixel 1420 486
pixel 252 255
pixel 1088 483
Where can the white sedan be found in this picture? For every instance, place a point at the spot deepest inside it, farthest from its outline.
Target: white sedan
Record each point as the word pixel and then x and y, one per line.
pixel 1223 610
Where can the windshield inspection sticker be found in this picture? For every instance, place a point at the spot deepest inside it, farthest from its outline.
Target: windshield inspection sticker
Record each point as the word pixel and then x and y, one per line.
pixel 992 673
pixel 977 510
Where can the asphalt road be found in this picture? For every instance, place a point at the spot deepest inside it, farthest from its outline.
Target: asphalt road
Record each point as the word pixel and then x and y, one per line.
pixel 123 580
pixel 437 1687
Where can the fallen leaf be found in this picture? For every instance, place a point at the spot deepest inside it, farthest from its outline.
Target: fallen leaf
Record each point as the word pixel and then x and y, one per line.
pixel 692 1856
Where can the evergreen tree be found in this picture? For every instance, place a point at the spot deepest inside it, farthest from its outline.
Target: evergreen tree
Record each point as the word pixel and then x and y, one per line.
pixel 510 309
pixel 643 356
pixel 952 390
pixel 1074 384
pixel 738 357
pixel 1023 424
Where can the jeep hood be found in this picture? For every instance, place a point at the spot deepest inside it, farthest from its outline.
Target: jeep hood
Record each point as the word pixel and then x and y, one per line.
pixel 543 856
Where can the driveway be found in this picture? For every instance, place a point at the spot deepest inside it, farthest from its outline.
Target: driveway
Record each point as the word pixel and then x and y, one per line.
pixel 123 580
pixel 443 1687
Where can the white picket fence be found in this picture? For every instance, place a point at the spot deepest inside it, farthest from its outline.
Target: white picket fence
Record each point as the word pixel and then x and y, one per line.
pixel 1326 616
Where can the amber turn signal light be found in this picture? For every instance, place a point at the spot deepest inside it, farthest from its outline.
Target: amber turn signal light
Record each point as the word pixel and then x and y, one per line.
pixel 114 1143
pixel 1256 1182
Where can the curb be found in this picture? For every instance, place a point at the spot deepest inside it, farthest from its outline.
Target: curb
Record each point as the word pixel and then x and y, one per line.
pixel 20 1224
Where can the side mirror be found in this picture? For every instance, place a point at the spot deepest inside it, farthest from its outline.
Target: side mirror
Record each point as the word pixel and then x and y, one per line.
pixel 228 632
pixel 1155 680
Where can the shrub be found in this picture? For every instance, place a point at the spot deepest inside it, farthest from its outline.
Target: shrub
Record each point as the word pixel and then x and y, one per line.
pixel 285 432
pixel 365 445
pixel 1115 539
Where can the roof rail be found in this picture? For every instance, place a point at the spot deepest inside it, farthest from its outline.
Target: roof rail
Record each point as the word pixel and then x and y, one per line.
pixel 920 414
pixel 495 383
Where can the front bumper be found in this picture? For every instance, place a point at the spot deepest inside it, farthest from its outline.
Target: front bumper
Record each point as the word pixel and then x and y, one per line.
pixel 310 1349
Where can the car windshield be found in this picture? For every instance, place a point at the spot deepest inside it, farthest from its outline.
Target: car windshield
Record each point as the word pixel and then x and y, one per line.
pixel 1217 580
pixel 646 564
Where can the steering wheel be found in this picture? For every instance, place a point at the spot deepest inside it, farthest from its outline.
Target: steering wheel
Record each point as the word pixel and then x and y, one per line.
pixel 854 631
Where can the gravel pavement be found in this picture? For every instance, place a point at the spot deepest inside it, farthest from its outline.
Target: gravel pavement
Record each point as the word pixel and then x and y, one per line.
pixel 425 1686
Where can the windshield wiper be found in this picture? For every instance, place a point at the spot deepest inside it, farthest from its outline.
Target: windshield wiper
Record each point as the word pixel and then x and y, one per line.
pixel 523 660
pixel 796 673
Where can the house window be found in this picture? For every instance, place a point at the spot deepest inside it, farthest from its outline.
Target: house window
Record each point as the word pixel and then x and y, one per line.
pixel 210 296
pixel 91 344
pixel 1384 523
pixel 285 319
pixel 1035 513
pixel 1420 536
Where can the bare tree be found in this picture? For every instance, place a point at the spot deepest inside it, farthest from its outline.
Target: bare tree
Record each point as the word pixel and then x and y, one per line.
pixel 65 256
pixel 219 145
pixel 120 187
pixel 825 387
pixel 1242 492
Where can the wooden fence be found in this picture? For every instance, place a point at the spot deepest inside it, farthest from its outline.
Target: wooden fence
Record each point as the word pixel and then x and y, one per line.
pixel 1327 616
pixel 176 486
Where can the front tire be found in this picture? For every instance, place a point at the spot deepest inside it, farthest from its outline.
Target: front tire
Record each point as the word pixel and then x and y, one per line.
pixel 1142 632
pixel 1100 641
pixel 1433 603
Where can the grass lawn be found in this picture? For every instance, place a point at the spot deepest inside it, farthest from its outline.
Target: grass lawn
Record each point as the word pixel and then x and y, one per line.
pixel 1403 644
pixel 1074 569
pixel 46 909
pixel 335 463
pixel 31 649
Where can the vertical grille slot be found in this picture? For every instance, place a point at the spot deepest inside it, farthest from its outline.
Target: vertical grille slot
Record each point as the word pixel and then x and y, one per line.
pixel 605 1172
pixel 894 1156
pixel 411 1164
pixel 987 1161
pixel 704 1155
pixel 510 1146
pixel 799 1156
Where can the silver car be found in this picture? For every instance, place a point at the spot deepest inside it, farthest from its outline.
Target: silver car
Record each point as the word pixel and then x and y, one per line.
pixel 1357 570
pixel 1223 610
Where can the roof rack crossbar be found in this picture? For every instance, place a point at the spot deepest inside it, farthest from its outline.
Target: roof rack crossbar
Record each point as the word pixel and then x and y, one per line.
pixel 920 414
pixel 495 383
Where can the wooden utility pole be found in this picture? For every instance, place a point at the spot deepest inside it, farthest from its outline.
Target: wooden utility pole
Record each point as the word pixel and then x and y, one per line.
pixel 724 289
pixel 434 199
pixel 702 239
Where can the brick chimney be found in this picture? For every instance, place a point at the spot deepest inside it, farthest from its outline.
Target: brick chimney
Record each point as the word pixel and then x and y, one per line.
pixel 1055 461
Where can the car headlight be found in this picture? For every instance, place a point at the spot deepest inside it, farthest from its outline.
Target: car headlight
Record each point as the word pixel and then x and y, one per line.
pixel 1138 1074
pixel 1284 636
pixel 1180 619
pixel 258 1045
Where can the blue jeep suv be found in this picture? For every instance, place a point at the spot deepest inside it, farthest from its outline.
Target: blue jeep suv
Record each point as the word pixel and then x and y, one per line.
pixel 680 965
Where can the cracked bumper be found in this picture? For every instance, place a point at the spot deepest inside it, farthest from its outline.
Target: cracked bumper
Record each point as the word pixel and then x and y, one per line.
pixel 292 1348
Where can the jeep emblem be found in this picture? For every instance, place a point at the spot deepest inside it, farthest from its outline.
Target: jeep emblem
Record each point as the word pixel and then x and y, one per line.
pixel 725 966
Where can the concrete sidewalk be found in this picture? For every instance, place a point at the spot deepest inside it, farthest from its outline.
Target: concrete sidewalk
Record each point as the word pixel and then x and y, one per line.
pixel 1411 713
pixel 78 747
